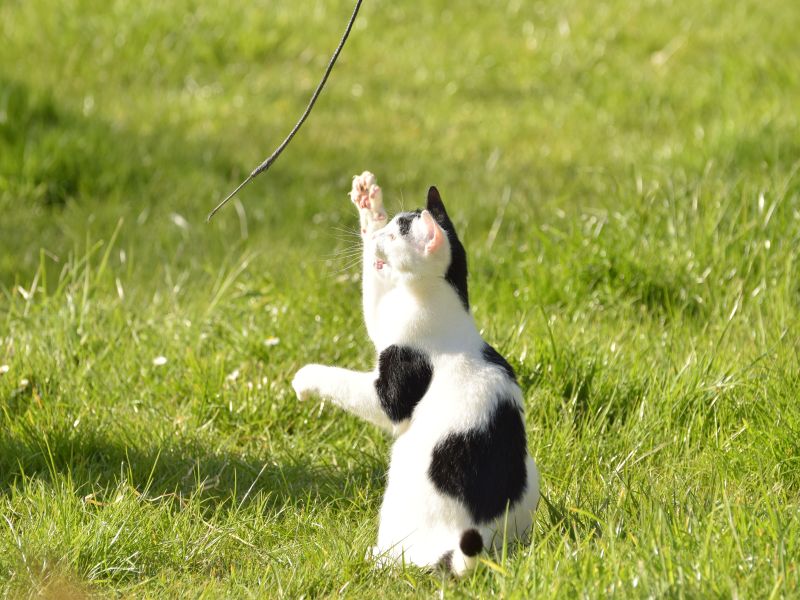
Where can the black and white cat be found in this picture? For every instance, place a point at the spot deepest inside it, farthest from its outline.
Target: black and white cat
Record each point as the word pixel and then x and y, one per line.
pixel 460 477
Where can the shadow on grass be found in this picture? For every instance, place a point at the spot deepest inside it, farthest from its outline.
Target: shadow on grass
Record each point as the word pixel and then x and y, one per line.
pixel 51 155
pixel 97 464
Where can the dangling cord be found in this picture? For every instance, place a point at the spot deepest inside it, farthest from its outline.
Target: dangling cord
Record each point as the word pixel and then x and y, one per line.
pixel 274 156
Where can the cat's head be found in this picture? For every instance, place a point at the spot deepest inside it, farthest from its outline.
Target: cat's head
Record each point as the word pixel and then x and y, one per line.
pixel 423 244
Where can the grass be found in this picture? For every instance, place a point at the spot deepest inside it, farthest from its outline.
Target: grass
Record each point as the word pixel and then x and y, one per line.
pixel 624 176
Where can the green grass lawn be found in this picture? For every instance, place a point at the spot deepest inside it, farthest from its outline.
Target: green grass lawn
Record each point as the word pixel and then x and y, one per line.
pixel 625 177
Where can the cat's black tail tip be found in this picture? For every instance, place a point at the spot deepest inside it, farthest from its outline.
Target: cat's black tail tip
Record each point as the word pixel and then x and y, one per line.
pixel 471 542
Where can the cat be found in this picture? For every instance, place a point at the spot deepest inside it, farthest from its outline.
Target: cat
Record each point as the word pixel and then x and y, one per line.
pixel 460 476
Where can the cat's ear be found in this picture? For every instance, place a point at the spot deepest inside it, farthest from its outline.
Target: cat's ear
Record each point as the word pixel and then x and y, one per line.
pixel 436 206
pixel 434 236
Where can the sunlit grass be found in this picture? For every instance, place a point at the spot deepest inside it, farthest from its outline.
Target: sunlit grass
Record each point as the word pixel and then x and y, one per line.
pixel 624 176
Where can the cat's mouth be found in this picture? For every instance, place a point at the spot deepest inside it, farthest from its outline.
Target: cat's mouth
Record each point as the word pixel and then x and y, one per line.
pixel 380 258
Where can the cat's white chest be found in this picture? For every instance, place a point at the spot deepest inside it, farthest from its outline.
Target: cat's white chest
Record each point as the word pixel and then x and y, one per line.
pixel 436 324
pixel 398 316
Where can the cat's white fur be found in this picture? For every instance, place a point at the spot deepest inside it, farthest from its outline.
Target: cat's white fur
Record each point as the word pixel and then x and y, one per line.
pixel 407 302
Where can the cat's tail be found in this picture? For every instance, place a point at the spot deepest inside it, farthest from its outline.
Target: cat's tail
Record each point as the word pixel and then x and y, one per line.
pixel 465 556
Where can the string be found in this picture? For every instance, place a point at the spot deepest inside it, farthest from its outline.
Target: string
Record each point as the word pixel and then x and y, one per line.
pixel 274 156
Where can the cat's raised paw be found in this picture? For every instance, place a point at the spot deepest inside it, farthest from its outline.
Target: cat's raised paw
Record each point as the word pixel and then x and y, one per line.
pixel 365 192
pixel 367 196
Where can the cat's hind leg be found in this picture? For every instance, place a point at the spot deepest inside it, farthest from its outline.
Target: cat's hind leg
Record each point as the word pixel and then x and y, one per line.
pixel 454 551
pixel 420 526
pixel 366 195
pixel 465 554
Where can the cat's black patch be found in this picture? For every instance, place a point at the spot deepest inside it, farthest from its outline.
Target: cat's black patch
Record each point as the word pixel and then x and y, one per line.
pixel 493 356
pixel 404 375
pixel 457 271
pixel 484 467
pixel 446 561
pixel 471 542
pixel 404 221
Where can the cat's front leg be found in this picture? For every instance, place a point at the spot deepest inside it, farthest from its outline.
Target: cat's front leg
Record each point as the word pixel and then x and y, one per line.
pixel 368 199
pixel 354 391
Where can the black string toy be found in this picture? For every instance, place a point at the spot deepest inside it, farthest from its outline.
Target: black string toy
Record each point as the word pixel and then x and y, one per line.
pixel 274 156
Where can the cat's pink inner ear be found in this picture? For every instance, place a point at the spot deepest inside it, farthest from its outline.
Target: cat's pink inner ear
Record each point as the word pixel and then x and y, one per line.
pixel 434 236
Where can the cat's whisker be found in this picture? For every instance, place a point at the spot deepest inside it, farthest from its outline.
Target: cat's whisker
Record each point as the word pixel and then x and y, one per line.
pixel 350 257
pixel 344 254
pixel 353 232
pixel 345 268
pixel 349 248
pixel 350 240
pixel 349 243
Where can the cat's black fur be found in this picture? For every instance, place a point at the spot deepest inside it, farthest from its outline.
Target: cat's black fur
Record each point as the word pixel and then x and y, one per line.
pixel 484 468
pixel 446 562
pixel 471 542
pixel 404 375
pixel 404 221
pixel 493 356
pixel 457 271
